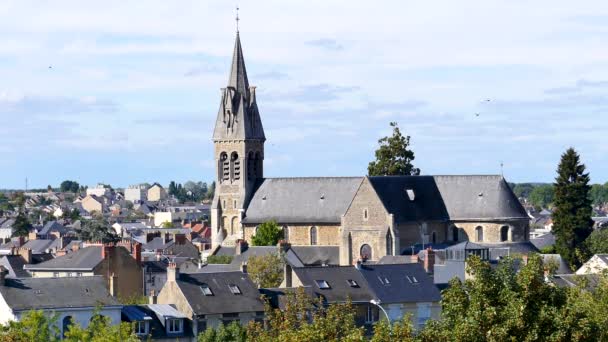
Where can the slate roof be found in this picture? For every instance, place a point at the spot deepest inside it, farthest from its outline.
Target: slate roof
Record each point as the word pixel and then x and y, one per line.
pixel 562 268
pixel 56 293
pixel 278 297
pixel 14 265
pixel 82 260
pixel 574 280
pixel 406 283
pixel 302 200
pixel 317 255
pixel 52 226
pixel 40 245
pixel 337 278
pixel 544 240
pixel 222 300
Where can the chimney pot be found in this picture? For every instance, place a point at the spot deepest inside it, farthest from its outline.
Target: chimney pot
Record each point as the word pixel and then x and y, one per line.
pixel 172 272
pixel 429 260
pixel 152 298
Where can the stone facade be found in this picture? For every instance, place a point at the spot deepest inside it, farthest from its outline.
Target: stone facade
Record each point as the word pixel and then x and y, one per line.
pixel 301 234
pixel 491 232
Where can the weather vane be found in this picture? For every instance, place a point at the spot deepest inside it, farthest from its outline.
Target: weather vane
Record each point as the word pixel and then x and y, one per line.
pixel 237 18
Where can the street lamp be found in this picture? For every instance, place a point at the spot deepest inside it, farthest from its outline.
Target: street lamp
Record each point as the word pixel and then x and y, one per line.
pixel 377 303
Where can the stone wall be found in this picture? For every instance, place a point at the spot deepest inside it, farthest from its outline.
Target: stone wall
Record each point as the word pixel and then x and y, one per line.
pixel 518 231
pixel 299 234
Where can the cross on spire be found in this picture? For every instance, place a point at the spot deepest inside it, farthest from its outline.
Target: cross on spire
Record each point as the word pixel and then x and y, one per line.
pixel 237 19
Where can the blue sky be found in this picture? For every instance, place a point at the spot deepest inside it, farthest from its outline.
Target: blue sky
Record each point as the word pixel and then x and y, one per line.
pixel 126 92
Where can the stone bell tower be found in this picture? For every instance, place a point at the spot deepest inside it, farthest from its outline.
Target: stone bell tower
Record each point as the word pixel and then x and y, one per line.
pixel 238 140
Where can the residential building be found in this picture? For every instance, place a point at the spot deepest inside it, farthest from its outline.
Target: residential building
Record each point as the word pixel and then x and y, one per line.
pixel 157 322
pixel 156 193
pixel 596 264
pixel 136 193
pixel 99 190
pixel 93 204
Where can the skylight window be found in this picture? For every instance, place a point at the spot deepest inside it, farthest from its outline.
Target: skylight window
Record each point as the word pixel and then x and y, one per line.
pixel 386 281
pixel 409 279
pixel 410 194
pixel 206 290
pixel 414 279
pixel 352 283
pixel 322 284
pixel 234 289
pixel 381 280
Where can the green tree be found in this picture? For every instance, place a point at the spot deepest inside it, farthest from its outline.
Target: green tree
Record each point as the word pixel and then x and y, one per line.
pixel 34 326
pixel 393 157
pixel 97 230
pixel 219 259
pixel 266 270
pixel 599 194
pixel 69 186
pixel 22 225
pixel 167 224
pixel 267 234
pixel 597 242
pixel 572 221
pixel 522 190
pixel 542 195
pixel 401 330
pixel 233 332
pixel 100 329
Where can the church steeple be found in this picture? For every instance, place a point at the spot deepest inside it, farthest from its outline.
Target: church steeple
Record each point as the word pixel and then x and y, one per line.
pixel 238 117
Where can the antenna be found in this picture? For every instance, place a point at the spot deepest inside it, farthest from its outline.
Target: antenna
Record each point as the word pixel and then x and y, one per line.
pixel 501 169
pixel 237 19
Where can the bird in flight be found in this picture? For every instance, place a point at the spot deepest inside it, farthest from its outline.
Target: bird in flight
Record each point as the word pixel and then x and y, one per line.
pixel 476 114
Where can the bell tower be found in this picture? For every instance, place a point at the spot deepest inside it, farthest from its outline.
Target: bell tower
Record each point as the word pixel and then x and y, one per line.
pixel 238 141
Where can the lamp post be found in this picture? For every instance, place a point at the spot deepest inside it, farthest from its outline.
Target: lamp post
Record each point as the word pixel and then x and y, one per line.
pixel 377 303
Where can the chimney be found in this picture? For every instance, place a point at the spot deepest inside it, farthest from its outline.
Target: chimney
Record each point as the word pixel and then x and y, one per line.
pixel 3 273
pixel 21 241
pixel 241 246
pixel 32 235
pixel 172 272
pixel 14 250
pixel 26 254
pixel 179 239
pixel 75 247
pixel 283 245
pixel 167 237
pixel 137 252
pixel 244 267
pixel 158 255
pixel 429 260
pixel 60 253
pixel 152 298
pixel 149 237
pixel 113 285
pixel 287 275
pixel 61 243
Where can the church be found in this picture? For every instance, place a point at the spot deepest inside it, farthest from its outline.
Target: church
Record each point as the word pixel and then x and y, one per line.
pixel 366 217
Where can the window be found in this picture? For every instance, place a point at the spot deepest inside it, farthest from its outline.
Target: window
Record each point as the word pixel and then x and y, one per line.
pixel 365 214
pixel 56 274
pixel 66 323
pixel 369 314
pixel 206 290
pixel 365 252
pixel 79 274
pixel 234 289
pixel 234 204
pixel 424 313
pixel 174 325
pixel 352 283
pixel 389 243
pixel 70 274
pixel 454 233
pixel 479 234
pixel 141 327
pixel 322 284
pixel 504 233
pixel 224 167
pixel 201 325
pixel 235 166
pixel 313 236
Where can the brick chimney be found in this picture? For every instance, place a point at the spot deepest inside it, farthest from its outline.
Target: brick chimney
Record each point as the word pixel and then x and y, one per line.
pixel 167 237
pixel 136 252
pixel 26 254
pixel 75 247
pixel 152 298
pixel 113 285
pixel 429 260
pixel 179 239
pixel 150 237
pixel 172 272
pixel 241 246
pixel 32 235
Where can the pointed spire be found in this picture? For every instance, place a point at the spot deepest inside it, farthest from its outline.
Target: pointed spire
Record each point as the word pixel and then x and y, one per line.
pixel 238 74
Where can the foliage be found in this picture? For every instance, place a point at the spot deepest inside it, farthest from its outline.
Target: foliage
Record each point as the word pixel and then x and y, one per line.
pixel 401 330
pixel 541 196
pixel 97 230
pixel 572 222
pixel 267 234
pixel 306 320
pixel 69 186
pixel 597 242
pixel 266 270
pixel 22 225
pixel 599 194
pixel 100 329
pixel 233 332
pixel 73 214
pixel 219 259
pixel 548 250
pixel 393 156
pixel 191 191
pixel 133 300
pixel 522 190
pixel 34 326
pixel 167 224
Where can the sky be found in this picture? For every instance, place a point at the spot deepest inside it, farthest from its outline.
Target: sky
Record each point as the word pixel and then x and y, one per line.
pixel 124 92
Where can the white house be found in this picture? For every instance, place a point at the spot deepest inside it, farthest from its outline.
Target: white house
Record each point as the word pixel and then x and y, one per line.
pixel 136 193
pixel 596 264
pixel 99 191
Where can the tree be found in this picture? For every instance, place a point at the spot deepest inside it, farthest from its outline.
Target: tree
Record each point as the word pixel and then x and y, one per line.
pixel 100 329
pixel 69 186
pixel 542 195
pixel 97 230
pixel 599 194
pixel 233 332
pixel 393 156
pixel 572 221
pixel 266 270
pixel 597 242
pixel 267 234
pixel 167 224
pixel 22 225
pixel 34 326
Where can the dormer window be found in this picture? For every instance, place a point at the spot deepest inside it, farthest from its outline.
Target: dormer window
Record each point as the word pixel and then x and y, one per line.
pixel 206 290
pixel 175 325
pixel 322 284
pixel 234 289
pixel 410 194
pixel 141 328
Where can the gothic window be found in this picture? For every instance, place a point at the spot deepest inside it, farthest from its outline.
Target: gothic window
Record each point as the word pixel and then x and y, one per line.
pixel 224 167
pixel 389 243
pixel 365 252
pixel 235 166
pixel 286 233
pixel 454 233
pixel 479 234
pixel 313 236
pixel 504 233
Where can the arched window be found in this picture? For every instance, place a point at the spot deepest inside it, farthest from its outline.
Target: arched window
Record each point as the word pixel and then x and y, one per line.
pixel 313 236
pixel 504 233
pixel 66 323
pixel 286 233
pixel 454 233
pixel 479 234
pixel 233 225
pixel 365 252
pixel 224 167
pixel 389 243
pixel 434 238
pixel 235 166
